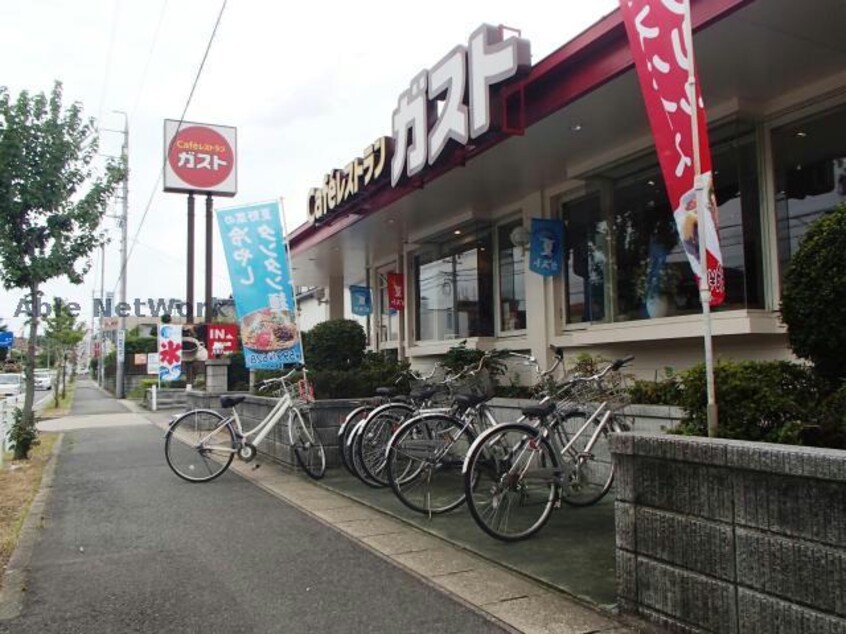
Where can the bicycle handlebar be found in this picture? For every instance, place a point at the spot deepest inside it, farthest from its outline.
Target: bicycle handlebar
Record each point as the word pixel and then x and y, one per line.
pixel 281 379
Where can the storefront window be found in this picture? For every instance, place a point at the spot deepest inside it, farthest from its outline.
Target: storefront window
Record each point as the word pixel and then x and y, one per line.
pixel 388 317
pixel 810 176
pixel 624 257
pixel 512 288
pixel 454 296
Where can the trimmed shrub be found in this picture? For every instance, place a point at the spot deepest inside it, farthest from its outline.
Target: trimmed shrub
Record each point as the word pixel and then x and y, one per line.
pixel 771 401
pixel 665 392
pixel 813 303
pixel 23 435
pixel 337 344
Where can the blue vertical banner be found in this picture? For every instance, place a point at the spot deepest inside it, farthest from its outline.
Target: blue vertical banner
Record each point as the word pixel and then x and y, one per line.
pixel 360 298
pixel 260 274
pixel 547 249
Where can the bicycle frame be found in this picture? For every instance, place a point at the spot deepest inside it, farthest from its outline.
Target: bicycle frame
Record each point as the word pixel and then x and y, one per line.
pixel 282 406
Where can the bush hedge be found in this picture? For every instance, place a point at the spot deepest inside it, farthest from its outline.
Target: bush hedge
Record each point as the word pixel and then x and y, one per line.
pixel 813 303
pixel 770 401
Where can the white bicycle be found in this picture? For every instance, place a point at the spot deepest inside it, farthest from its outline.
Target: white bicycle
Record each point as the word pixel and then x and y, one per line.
pixel 201 444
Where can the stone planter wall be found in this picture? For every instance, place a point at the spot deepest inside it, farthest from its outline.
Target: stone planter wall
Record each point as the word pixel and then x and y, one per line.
pixel 326 416
pixel 722 536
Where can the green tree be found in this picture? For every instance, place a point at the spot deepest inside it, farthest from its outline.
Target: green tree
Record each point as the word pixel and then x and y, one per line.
pixel 62 334
pixel 51 200
pixel 813 302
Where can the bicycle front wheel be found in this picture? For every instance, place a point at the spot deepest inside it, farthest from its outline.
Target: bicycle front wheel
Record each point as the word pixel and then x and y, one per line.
pixel 589 474
pixel 511 481
pixel 200 445
pixel 424 463
pixel 306 445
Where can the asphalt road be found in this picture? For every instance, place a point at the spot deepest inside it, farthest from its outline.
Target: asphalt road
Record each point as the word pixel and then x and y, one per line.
pixel 129 547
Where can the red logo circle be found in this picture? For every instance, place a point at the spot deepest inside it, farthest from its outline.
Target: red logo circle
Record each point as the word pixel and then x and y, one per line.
pixel 201 157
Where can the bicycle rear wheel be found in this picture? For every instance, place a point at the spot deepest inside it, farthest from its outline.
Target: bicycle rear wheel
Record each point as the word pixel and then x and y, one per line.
pixel 424 463
pixel 353 449
pixel 373 443
pixel 308 449
pixel 354 417
pixel 200 446
pixel 511 481
pixel 589 475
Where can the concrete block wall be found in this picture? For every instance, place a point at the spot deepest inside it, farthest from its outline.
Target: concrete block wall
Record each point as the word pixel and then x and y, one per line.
pixel 326 416
pixel 717 535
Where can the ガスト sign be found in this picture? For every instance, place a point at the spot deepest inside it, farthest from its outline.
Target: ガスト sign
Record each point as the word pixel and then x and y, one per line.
pixel 462 81
pixel 200 158
pixel 450 102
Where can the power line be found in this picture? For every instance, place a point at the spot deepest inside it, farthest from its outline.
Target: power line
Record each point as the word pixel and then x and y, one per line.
pixel 109 56
pixel 155 41
pixel 178 127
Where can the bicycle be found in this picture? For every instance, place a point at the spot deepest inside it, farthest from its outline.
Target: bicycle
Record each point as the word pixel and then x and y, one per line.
pixel 425 456
pixel 200 445
pixel 516 473
pixel 367 440
pixel 349 427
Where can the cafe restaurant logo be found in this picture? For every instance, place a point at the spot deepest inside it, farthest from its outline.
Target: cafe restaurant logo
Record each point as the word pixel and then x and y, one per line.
pixel 449 102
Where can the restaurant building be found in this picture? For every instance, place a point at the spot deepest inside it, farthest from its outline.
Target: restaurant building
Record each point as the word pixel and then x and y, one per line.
pixel 485 142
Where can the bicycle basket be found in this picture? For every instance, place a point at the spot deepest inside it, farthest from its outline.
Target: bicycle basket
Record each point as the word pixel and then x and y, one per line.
pixel 477 385
pixel 586 393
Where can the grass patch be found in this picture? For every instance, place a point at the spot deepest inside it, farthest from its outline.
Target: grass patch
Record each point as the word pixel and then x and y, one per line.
pixel 19 482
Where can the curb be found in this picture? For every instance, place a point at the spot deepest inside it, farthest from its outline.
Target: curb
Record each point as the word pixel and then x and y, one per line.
pixel 15 578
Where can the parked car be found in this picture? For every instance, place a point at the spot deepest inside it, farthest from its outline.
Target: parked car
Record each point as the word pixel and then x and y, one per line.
pixel 10 384
pixel 43 380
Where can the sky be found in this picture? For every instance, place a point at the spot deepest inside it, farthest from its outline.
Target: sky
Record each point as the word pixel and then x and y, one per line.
pixel 307 85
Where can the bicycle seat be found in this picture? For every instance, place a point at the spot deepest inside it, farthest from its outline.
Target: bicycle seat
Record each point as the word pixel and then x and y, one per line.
pixel 538 411
pixel 231 401
pixel 386 391
pixel 469 400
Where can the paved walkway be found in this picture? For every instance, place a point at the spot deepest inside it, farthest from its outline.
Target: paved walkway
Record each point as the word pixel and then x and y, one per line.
pixel 127 546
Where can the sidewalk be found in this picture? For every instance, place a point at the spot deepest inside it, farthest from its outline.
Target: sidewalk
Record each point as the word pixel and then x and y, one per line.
pixel 512 599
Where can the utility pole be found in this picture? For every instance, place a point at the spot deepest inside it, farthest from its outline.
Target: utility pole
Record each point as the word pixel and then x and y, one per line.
pixel 121 335
pixel 101 364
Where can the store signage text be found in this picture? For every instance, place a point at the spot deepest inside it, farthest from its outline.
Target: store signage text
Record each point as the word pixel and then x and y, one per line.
pixel 462 80
pixel 449 102
pixel 343 186
pixel 200 158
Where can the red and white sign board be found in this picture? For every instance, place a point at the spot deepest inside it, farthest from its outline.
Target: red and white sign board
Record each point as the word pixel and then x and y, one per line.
pixel 223 334
pixel 200 158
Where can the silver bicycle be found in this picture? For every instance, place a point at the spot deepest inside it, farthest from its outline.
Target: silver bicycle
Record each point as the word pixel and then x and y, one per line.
pixel 201 444
pixel 516 473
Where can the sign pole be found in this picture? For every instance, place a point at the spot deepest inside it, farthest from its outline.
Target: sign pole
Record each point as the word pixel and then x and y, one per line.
pixel 189 249
pixel 701 210
pixel 207 309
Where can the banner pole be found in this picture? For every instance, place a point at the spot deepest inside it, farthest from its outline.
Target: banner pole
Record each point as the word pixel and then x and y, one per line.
pixel 701 210
pixel 294 304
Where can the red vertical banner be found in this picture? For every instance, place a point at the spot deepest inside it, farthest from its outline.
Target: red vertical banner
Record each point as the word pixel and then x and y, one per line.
pixel 396 291
pixel 656 31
